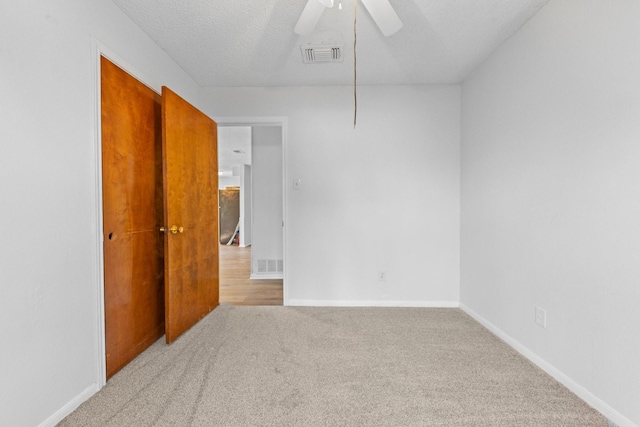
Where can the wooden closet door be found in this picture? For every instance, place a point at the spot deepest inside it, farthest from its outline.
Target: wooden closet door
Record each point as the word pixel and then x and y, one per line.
pixel 132 210
pixel 190 157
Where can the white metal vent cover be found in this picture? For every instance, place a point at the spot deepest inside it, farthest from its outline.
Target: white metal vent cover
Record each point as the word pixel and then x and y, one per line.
pixel 312 54
pixel 270 266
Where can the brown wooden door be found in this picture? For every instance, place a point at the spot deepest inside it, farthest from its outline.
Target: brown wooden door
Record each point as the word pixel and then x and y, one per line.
pixel 190 163
pixel 132 212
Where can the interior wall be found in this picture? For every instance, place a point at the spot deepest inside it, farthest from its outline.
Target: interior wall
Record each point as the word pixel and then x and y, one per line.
pixel 228 181
pixel 246 211
pixel 551 196
pixel 381 197
pixel 266 199
pixel 49 260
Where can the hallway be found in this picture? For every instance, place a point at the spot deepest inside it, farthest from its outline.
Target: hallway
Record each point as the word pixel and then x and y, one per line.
pixel 236 288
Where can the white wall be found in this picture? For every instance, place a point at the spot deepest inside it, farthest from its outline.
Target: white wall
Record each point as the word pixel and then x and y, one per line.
pixel 551 196
pixel 228 181
pixel 381 197
pixel 246 211
pixel 266 197
pixel 49 263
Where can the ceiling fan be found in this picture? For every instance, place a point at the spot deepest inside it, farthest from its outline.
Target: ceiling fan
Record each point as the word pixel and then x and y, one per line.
pixel 380 10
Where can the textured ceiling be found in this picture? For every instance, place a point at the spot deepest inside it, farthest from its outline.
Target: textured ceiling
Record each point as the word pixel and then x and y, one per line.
pixel 252 43
pixel 230 141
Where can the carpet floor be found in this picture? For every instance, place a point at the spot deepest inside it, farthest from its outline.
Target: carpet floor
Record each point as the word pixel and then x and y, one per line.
pixel 312 366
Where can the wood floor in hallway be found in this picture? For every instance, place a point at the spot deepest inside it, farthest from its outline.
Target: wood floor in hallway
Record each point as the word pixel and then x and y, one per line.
pixel 236 288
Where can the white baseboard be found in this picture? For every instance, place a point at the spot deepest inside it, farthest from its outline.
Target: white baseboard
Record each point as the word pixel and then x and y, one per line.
pixel 358 303
pixel 71 406
pixel 259 276
pixel 576 388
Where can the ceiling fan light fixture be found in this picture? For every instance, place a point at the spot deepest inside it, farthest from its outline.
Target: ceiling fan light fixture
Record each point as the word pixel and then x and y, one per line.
pixel 383 14
pixel 310 16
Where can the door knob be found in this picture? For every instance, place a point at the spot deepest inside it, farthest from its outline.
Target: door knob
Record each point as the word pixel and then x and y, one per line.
pixel 175 229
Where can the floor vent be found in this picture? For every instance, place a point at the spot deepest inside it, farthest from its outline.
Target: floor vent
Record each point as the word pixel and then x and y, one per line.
pixel 270 266
pixel 321 53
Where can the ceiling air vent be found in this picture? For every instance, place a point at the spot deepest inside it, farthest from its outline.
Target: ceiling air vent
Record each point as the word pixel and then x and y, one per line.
pixel 321 53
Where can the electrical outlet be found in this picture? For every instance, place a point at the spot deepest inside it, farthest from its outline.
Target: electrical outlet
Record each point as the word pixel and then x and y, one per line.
pixel 382 276
pixel 541 317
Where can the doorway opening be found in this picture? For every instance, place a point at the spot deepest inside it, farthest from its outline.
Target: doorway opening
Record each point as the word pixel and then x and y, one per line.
pixel 251 193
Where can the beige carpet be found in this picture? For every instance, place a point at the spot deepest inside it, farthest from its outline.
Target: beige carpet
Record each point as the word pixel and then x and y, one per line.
pixel 287 366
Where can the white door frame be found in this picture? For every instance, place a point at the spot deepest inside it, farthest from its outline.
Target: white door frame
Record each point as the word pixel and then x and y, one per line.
pixel 101 50
pixel 280 121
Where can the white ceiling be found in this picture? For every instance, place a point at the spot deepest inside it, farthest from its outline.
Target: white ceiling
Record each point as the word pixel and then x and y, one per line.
pixel 252 43
pixel 230 140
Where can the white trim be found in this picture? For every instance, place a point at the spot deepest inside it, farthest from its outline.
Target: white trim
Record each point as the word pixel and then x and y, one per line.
pixel 562 378
pixel 271 121
pixel 259 276
pixel 101 50
pixel 71 406
pixel 101 368
pixel 285 179
pixel 252 121
pixel 372 303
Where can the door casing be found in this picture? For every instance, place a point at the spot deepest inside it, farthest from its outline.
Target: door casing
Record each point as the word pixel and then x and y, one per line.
pixel 282 122
pixel 132 212
pixel 99 50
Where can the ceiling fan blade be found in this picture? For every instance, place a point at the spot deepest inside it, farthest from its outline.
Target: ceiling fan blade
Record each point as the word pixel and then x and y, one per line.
pixel 310 16
pixel 382 12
